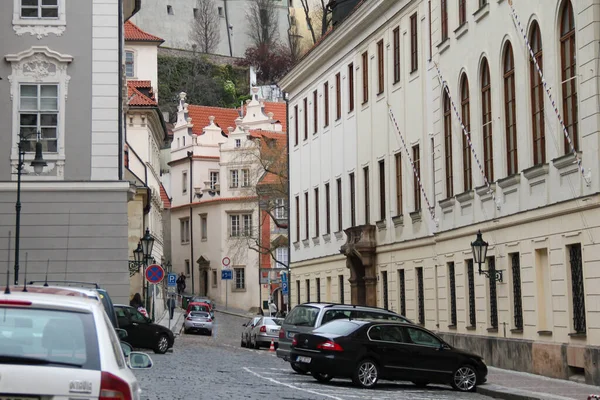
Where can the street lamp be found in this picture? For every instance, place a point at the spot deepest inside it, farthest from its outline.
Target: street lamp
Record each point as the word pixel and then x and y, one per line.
pixel 38 165
pixel 147 244
pixel 480 247
pixel 138 254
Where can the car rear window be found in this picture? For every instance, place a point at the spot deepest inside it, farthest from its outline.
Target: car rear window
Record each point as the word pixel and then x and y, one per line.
pixel 273 321
pixel 199 314
pixel 303 316
pixel 360 314
pixel 198 308
pixel 338 327
pixel 48 337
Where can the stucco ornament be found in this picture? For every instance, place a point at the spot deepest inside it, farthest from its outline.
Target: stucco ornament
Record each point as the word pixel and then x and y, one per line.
pixel 39 31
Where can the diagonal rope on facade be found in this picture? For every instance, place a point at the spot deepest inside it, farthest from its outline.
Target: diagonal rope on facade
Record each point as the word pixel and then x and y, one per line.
pixel 515 17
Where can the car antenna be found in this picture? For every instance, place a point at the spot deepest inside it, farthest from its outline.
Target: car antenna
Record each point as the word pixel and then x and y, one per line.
pixel 47 266
pixel 7 290
pixel 25 282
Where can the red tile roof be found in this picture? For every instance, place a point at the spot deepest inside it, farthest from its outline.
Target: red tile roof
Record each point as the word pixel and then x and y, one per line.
pixel 140 84
pixel 224 117
pixel 135 34
pixel 165 197
pixel 135 96
pixel 279 111
pixel 278 153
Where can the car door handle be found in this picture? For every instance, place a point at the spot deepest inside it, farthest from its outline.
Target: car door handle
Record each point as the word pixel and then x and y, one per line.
pixel 134 324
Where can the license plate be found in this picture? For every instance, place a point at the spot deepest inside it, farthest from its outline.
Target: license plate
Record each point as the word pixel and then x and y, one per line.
pixel 194 324
pixel 305 360
pixel 273 331
pixel 291 335
pixel 17 398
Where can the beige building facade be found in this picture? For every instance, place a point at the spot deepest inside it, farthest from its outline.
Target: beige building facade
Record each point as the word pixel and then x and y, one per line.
pixel 386 216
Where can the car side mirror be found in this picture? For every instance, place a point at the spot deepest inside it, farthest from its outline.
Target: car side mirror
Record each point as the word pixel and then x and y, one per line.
pixel 444 346
pixel 122 333
pixel 127 349
pixel 138 360
pixel 244 324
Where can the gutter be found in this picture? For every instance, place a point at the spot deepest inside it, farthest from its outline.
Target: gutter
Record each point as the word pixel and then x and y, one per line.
pixel 289 214
pixel 191 189
pixel 121 133
pixel 227 27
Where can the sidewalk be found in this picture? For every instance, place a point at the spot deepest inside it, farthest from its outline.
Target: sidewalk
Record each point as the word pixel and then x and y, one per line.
pixel 176 323
pixel 235 311
pixel 512 385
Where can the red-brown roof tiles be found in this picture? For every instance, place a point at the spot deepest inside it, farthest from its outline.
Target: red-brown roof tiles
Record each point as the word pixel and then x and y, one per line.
pixel 224 117
pixel 138 99
pixel 135 34
pixel 165 197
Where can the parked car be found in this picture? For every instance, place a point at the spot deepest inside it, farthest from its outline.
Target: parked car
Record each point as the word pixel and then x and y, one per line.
pixel 247 329
pixel 305 317
pixel 142 332
pixel 202 299
pixel 199 321
pixel 367 351
pixel 199 306
pixel 60 345
pixel 90 289
pixel 265 330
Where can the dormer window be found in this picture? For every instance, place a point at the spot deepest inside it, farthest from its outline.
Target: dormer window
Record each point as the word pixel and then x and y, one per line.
pixel 129 70
pixel 238 142
pixel 39 9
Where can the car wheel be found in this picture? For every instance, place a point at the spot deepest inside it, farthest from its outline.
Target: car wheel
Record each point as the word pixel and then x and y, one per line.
pixel 162 344
pixel 209 333
pixel 256 345
pixel 242 344
pixel 322 377
pixel 421 384
pixel 366 374
pixel 186 330
pixel 464 379
pixel 298 369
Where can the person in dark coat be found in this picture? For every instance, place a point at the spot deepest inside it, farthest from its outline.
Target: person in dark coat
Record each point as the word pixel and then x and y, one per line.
pixel 181 283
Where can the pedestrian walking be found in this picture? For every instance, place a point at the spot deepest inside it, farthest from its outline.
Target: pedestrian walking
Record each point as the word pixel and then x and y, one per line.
pixel 181 283
pixel 171 305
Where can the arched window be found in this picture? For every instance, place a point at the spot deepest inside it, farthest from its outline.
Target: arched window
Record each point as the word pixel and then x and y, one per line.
pixel 486 114
pixel 466 119
pixel 129 70
pixel 512 163
pixel 448 145
pixel 569 73
pixel 537 98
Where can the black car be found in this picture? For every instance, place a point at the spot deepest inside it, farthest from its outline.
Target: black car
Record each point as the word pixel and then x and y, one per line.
pixel 366 351
pixel 142 332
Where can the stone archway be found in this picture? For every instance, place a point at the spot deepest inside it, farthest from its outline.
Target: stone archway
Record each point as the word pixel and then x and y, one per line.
pixel 359 250
pixel 203 268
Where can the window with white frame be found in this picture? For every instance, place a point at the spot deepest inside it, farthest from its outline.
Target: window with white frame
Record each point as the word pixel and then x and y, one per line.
pixel 39 17
pixel 38 113
pixel 233 178
pixel 240 278
pixel 39 9
pixel 129 70
pixel 238 142
pixel 280 210
pixel 247 224
pixel 240 225
pixel 214 179
pixel 281 257
pixel 245 177
pixel 184 226
pixel 204 226
pixel 184 182
pixel 234 226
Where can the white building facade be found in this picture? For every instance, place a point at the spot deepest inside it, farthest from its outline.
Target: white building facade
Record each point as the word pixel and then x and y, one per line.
pixel 386 218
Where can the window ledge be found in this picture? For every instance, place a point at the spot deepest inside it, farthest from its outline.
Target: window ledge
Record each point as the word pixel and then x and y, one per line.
pixel 509 181
pixel 306 243
pixel 339 235
pixel 416 216
pixel 578 335
pixel 516 330
pixel 238 290
pixel 453 327
pixel 327 238
pixel 536 171
pixel 544 333
pixel 482 12
pixel 461 30
pixel 316 240
pixel 203 239
pixel 565 161
pixel 445 45
pixel 381 225
pixel 483 190
pixel 447 203
pixel 492 330
pixel 471 328
pixel 465 196
pixel 398 220
pixel 297 245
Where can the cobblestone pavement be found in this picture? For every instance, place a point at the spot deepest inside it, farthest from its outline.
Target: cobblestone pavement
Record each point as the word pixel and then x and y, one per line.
pixel 203 367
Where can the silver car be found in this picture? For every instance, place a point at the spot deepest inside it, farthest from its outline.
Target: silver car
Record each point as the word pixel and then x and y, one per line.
pixel 247 330
pixel 199 321
pixel 265 331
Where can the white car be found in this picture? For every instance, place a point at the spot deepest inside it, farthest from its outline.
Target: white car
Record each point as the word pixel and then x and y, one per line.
pixel 66 346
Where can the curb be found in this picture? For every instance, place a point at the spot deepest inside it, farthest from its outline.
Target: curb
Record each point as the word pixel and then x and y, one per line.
pixel 235 314
pixel 502 392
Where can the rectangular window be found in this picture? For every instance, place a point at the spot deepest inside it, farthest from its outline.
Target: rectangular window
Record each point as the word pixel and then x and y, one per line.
pixel 444 17
pixel 305 111
pixel 398 158
pixel 351 87
pixel 282 258
pixel 195 13
pixel 577 290
pixel 471 291
pixel 306 217
pixel 204 227
pixel 341 288
pixel 462 12
pixel 402 291
pixel 296 125
pixel 382 190
pixel 298 292
pixel 420 295
pixel 338 96
pixel 367 197
pixel 318 287
pixel 297 218
pixel 187 267
pixel 452 284
pixel 247 224
pixel 240 278
pixel 245 177
pixel 184 182
pixel 365 76
pixel 491 261
pixel 234 226
pixel 414 55
pixel 352 201
pixel 448 147
pixel 380 68
pixel 47 9
pixel 384 289
pixel 510 121
pixel 184 230
pixel 214 278
pixel 238 143
pixel 326 103
pixel 417 179
pixel 327 209
pixel 516 286
pixel 170 10
pixel 214 179
pixel 396 54
pixel 280 210
pixel 38 113
pixel 315 112
pixel 233 178
pixel 339 204
pixel 307 290
pixel 317 227
pixel 129 71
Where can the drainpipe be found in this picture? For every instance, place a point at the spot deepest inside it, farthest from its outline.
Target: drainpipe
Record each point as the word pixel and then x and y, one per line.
pixel 289 274
pixel 192 263
pixel 227 27
pixel 120 57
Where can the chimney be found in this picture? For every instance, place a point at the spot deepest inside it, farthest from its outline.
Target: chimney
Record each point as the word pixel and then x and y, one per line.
pixel 340 10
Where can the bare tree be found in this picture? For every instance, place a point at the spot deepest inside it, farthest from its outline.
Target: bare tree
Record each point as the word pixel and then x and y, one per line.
pixel 320 13
pixel 205 29
pixel 263 24
pixel 296 50
pixel 308 16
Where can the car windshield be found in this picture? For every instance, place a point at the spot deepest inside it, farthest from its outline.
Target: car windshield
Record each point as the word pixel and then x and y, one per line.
pixel 273 321
pixel 48 337
pixel 199 315
pixel 303 316
pixel 339 327
pixel 199 308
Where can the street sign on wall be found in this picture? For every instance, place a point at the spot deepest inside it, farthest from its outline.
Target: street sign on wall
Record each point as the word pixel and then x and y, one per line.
pixel 154 273
pixel 226 261
pixel 171 280
pixel 226 274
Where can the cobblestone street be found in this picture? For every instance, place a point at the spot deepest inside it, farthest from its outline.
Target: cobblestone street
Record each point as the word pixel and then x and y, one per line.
pixel 216 367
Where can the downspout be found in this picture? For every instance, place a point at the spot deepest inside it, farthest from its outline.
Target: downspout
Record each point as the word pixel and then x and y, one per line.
pixel 227 28
pixel 121 133
pixel 192 263
pixel 289 270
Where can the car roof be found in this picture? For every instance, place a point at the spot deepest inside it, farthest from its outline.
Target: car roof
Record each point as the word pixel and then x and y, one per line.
pixel 56 290
pixel 53 300
pixel 345 306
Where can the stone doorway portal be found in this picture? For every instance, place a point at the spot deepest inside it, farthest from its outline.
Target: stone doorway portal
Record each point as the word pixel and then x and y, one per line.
pixel 359 250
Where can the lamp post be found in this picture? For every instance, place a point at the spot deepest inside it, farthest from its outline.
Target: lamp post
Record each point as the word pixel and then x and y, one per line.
pixel 38 165
pixel 479 248
pixel 147 242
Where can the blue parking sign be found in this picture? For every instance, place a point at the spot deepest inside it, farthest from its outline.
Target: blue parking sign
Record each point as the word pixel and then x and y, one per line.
pixel 284 288
pixel 226 274
pixel 171 280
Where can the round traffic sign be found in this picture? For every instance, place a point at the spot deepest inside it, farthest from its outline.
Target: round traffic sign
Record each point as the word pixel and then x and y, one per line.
pixel 226 261
pixel 154 273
